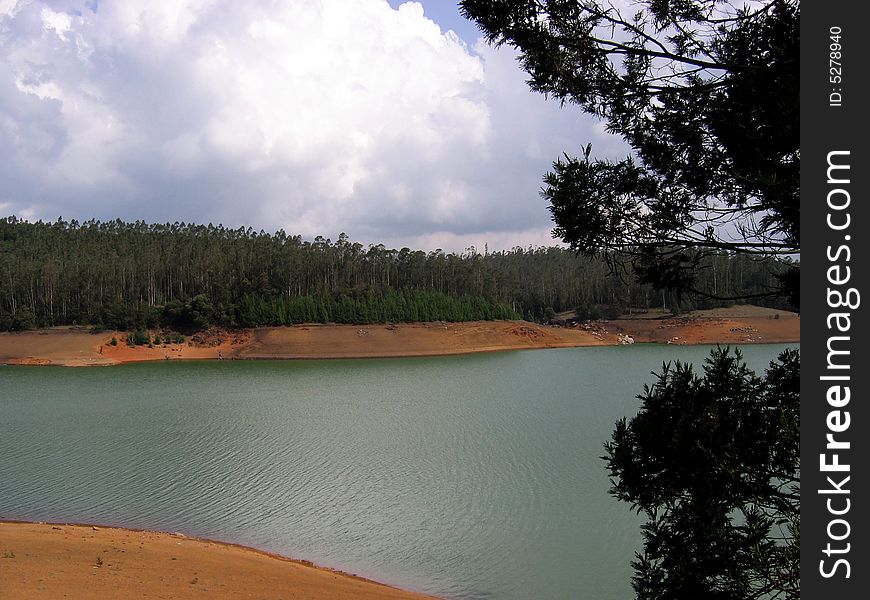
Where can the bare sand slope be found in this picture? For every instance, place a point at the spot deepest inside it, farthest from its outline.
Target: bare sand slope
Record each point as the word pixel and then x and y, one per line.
pixel 43 561
pixel 52 347
pixel 712 330
pixel 74 347
pixel 71 347
pixel 415 339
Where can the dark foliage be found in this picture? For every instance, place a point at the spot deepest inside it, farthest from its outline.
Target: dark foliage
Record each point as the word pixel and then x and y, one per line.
pixel 706 94
pixel 713 462
pixel 186 277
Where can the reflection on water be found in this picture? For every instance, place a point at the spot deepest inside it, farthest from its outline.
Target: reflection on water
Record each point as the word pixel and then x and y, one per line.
pixel 466 477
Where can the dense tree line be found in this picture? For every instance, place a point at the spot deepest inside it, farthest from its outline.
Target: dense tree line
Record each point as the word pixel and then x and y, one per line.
pixel 126 275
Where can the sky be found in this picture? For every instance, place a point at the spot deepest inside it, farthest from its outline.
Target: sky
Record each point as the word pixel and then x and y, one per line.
pixel 389 121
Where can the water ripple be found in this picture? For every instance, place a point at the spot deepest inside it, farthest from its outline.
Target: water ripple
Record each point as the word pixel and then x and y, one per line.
pixel 473 478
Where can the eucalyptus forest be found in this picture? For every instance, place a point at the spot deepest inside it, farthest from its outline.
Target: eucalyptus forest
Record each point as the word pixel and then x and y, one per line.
pixel 187 277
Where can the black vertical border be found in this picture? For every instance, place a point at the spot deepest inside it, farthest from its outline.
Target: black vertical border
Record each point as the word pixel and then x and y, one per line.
pixel 826 128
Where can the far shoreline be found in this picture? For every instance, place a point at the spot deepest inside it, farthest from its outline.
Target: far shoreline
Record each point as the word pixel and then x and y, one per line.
pixel 68 346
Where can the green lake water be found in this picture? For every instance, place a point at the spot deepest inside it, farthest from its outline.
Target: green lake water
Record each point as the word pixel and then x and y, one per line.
pixel 467 477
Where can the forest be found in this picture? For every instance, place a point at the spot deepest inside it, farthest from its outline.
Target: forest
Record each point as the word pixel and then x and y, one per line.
pixel 186 277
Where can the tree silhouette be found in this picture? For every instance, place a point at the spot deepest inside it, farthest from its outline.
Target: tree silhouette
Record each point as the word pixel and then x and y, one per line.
pixel 713 462
pixel 706 94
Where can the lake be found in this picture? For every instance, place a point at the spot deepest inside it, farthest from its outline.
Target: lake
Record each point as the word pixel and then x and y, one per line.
pixel 467 477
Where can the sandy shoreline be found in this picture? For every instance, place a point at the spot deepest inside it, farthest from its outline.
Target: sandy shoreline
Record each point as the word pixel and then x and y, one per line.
pixel 50 560
pixel 78 347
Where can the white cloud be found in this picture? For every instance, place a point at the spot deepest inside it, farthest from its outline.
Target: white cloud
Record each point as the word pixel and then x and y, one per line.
pixel 315 117
pixel 8 7
pixel 58 22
